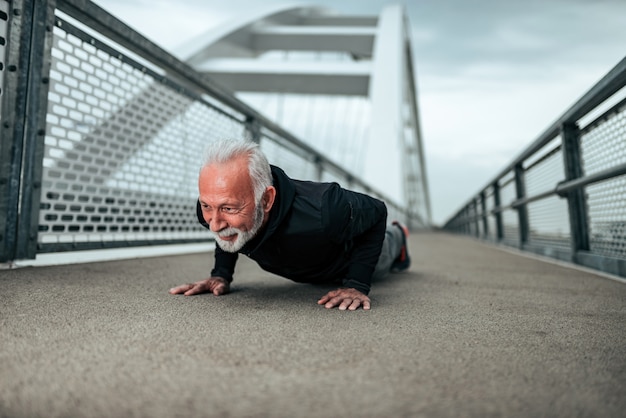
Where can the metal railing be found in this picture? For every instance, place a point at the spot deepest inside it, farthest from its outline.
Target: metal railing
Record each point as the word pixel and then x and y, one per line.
pixel 565 195
pixel 102 131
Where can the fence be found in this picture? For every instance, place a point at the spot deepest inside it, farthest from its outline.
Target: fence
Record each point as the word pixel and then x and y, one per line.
pixel 565 195
pixel 101 132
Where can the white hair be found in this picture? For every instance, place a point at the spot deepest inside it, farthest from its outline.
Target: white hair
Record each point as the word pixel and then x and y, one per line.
pixel 225 150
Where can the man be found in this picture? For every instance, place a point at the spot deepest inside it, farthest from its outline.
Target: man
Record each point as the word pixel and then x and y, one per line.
pixel 305 231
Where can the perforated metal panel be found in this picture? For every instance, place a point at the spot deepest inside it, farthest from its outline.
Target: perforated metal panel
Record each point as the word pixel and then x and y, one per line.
pixel 472 214
pixel 546 171
pixel 607 217
pixel 507 190
pixel 604 145
pixel 510 221
pixel 549 223
pixel 548 219
pixel 510 225
pixel 122 151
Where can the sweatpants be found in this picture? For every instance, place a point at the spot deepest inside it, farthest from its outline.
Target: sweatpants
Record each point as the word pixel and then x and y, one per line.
pixel 392 244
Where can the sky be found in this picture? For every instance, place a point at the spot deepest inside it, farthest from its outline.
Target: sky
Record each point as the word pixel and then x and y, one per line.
pixel 492 75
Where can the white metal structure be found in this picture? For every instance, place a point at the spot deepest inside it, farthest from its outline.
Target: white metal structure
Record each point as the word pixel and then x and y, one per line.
pixel 373 60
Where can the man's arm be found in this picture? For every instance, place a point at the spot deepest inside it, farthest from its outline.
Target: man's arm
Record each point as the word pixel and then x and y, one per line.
pixel 359 221
pixel 218 283
pixel 224 264
pixel 367 241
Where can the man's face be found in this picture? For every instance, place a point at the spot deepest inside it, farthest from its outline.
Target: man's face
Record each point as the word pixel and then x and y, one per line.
pixel 228 204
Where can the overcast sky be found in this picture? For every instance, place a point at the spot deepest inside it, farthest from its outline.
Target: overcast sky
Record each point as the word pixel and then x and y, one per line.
pixel 492 75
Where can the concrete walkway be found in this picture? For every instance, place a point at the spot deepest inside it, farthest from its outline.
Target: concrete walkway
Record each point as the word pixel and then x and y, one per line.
pixel 470 331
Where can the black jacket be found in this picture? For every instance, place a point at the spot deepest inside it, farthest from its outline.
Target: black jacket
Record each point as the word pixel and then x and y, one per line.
pixel 316 233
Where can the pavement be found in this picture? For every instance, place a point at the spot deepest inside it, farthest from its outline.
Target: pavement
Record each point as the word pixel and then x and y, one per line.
pixel 469 331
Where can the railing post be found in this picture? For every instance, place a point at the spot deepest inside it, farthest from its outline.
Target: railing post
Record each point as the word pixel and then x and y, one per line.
pixel 522 210
pixel 12 105
pixel 576 199
pixel 476 218
pixel 498 214
pixel 483 209
pixel 463 221
pixel 24 108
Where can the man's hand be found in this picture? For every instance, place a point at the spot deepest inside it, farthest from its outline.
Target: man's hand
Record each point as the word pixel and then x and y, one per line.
pixel 216 285
pixel 349 299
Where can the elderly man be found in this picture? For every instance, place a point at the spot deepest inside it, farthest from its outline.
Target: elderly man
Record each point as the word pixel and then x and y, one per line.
pixel 305 231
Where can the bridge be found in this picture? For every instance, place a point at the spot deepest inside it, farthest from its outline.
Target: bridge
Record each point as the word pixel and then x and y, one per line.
pixel 514 307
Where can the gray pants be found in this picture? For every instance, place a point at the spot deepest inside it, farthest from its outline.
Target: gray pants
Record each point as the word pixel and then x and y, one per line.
pixel 392 245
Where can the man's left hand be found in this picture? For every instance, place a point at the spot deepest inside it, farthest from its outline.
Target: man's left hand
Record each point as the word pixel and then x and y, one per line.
pixel 349 299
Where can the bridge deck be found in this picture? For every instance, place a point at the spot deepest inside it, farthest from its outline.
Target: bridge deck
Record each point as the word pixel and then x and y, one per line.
pixel 470 331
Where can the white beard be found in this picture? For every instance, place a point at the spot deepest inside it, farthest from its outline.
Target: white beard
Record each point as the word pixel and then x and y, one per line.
pixel 243 237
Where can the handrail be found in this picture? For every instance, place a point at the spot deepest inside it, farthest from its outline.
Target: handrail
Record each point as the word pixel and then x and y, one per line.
pixel 563 188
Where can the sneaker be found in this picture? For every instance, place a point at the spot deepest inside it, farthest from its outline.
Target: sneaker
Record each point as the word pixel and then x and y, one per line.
pixel 403 262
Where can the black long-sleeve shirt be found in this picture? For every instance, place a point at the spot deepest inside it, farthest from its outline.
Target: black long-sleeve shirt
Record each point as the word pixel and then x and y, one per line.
pixel 316 233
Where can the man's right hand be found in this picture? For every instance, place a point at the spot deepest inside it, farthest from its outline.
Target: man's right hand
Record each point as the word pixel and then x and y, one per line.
pixel 216 285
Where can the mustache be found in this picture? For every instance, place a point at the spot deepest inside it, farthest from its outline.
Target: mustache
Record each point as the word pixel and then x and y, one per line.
pixel 226 232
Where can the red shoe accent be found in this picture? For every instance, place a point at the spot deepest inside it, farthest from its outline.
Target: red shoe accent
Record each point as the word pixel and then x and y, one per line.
pixel 403 261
